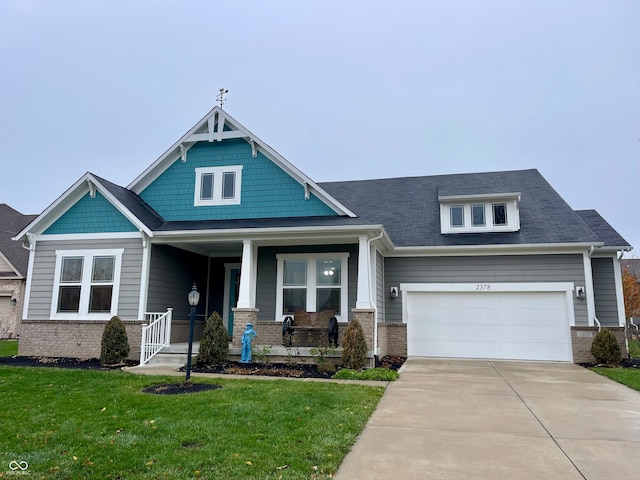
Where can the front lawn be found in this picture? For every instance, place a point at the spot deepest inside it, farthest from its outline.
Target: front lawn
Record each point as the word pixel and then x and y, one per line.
pixel 627 376
pixel 91 424
pixel 634 348
pixel 8 348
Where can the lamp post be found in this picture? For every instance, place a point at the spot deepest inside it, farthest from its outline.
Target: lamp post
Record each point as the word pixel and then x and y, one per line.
pixel 194 298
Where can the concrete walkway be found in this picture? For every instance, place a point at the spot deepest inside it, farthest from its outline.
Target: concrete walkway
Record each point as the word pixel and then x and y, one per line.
pixel 479 419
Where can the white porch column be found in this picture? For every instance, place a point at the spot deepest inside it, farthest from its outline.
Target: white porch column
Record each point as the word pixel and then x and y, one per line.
pixel 588 280
pixel 248 271
pixel 363 299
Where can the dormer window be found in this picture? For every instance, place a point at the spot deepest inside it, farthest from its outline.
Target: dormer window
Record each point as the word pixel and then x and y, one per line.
pixel 218 185
pixel 479 213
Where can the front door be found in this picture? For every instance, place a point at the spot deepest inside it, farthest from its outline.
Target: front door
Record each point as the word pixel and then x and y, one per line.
pixel 232 289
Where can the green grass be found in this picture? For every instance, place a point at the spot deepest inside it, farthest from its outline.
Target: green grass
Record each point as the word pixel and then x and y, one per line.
pixel 8 348
pixel 634 348
pixel 626 376
pixel 90 424
pixel 381 374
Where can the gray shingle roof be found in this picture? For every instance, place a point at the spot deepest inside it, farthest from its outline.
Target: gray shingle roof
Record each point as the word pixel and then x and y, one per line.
pixel 11 222
pixel 409 209
pixel 602 229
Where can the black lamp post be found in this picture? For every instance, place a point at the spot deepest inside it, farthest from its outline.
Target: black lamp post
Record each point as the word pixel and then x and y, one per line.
pixel 194 298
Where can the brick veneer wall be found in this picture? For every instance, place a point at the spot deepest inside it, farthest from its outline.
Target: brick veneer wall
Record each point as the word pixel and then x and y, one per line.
pixel 392 339
pixel 241 317
pixel 582 338
pixel 71 338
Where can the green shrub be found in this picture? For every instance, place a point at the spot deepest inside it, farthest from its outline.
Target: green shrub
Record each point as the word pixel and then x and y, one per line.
pixel 354 346
pixel 379 374
pixel 114 348
pixel 605 348
pixel 214 344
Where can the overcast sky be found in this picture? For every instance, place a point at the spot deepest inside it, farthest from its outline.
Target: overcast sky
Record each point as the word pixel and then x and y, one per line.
pixel 344 90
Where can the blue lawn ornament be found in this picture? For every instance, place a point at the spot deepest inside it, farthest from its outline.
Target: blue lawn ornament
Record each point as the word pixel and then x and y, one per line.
pixel 247 337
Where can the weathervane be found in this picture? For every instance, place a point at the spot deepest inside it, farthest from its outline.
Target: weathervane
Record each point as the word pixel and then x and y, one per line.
pixel 221 98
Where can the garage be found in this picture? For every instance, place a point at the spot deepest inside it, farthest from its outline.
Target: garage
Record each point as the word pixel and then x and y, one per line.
pixel 526 321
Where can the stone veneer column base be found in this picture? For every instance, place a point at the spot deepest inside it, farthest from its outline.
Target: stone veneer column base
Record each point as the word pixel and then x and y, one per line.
pixel 242 316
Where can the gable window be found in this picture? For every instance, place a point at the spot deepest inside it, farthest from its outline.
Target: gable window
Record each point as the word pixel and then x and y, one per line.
pixel 479 213
pixel 218 186
pixel 312 282
pixel 86 284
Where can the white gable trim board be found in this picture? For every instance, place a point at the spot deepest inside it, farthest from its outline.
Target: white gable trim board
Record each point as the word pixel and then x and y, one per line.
pixel 515 321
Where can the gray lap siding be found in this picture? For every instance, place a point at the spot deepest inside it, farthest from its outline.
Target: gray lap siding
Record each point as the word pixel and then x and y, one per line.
pixel 604 287
pixel 482 269
pixel 42 277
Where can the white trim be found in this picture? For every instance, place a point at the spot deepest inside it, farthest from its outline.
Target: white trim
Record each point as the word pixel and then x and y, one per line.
pixel 63 237
pixel 27 290
pixel 218 173
pixel 588 281
pixel 144 277
pixel 617 275
pixel 479 197
pixel 487 287
pixel 474 250
pixel 85 284
pixel 310 287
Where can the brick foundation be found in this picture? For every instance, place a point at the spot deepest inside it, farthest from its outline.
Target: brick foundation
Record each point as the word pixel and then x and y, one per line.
pixel 71 338
pixel 582 338
pixel 241 317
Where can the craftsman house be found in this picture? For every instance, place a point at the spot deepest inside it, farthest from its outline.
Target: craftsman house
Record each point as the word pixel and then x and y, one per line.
pixel 481 265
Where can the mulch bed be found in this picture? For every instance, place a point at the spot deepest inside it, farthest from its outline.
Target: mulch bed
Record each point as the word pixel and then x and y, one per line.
pixel 63 362
pixel 626 363
pixel 180 388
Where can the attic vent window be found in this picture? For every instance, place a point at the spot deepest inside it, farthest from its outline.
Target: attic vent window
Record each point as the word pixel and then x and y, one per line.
pixel 218 186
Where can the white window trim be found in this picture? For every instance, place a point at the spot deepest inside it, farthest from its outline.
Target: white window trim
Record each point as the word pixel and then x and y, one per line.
pixel 513 216
pixel 311 259
pixel 217 186
pixel 83 311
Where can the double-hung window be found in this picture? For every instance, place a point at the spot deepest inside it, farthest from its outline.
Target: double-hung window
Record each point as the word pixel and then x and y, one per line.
pixel 218 186
pixel 312 282
pixel 86 284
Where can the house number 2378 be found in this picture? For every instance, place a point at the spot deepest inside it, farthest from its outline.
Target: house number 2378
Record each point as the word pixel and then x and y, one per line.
pixel 483 287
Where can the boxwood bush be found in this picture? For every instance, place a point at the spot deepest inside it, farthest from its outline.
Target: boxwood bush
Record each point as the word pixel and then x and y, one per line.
pixel 605 348
pixel 114 348
pixel 214 344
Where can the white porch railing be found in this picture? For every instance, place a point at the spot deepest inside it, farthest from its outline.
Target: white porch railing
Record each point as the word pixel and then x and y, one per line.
pixel 155 335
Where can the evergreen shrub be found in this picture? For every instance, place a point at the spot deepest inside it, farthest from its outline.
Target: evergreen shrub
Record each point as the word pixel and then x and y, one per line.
pixel 114 347
pixel 214 344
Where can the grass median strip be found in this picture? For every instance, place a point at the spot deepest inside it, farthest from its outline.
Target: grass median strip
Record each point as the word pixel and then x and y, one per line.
pixel 89 424
pixel 626 376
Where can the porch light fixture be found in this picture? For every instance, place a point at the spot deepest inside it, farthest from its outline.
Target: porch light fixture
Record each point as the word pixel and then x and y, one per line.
pixel 14 302
pixel 194 298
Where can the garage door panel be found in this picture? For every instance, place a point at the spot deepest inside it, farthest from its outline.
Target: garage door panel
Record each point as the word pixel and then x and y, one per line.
pixel 503 325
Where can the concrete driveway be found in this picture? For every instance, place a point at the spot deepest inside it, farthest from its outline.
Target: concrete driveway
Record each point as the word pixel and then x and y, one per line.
pixel 480 419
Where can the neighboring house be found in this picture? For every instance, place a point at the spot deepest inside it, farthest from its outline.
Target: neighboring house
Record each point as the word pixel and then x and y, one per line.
pixel 13 270
pixel 481 265
pixel 633 266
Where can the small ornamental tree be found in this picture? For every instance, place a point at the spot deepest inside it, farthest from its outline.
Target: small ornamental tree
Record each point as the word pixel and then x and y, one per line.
pixel 631 294
pixel 214 344
pixel 354 346
pixel 115 344
pixel 605 348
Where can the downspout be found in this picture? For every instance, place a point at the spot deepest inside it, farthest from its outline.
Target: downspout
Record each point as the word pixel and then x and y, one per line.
pixel 371 295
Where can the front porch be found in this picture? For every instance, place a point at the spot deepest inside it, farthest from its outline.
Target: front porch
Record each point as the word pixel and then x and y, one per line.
pixel 161 341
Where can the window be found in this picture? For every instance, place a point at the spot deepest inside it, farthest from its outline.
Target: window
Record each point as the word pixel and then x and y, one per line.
pixel 86 284
pixel 477 215
pixel 499 213
pixel 218 186
pixel 457 215
pixel 312 282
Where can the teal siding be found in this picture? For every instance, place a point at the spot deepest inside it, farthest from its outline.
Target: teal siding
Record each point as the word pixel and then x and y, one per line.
pixel 91 215
pixel 266 192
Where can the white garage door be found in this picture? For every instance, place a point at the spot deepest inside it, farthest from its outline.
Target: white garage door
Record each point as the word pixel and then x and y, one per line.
pixel 518 325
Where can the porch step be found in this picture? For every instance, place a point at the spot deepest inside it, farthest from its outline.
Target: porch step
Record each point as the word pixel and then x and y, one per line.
pixel 175 354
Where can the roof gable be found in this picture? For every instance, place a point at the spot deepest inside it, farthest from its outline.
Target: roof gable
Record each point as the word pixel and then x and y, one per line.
pixel 265 190
pixel 218 127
